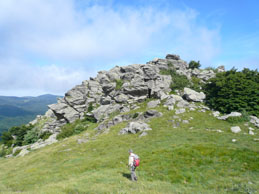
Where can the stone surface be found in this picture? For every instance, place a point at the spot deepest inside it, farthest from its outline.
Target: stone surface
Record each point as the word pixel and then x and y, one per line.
pixel 254 120
pixel 135 127
pixel 235 129
pixel 23 152
pixel 179 111
pixel 153 104
pixel 152 113
pixel 232 114
pixel 192 95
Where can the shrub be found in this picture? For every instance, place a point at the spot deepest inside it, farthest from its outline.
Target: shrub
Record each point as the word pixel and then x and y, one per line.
pixel 196 84
pixel 7 138
pixel 135 115
pixel 119 84
pixel 31 137
pixel 89 119
pixel 45 135
pixel 178 81
pixel 72 129
pixel 16 152
pixel 194 64
pixel 234 91
pixel 90 107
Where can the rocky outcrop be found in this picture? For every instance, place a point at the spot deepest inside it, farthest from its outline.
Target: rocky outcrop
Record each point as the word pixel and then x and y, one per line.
pixel 254 120
pixel 135 127
pixel 192 95
pixel 232 114
pixel 114 90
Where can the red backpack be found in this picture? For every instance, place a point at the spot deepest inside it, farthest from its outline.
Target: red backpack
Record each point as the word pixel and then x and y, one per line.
pixel 136 160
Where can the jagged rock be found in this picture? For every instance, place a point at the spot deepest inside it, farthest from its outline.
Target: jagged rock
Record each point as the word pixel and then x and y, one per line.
pixel 50 114
pixel 172 56
pixel 15 149
pixel 232 114
pixel 220 69
pixel 40 144
pixel 77 95
pixel 179 111
pixel 235 129
pixel 170 101
pixel 192 95
pixel 170 107
pixel 183 104
pixel 153 104
pixel 106 100
pixel 254 120
pixel 216 113
pixel 104 111
pixel 122 98
pixel 63 110
pixel 135 127
pixel 23 152
pixel 152 113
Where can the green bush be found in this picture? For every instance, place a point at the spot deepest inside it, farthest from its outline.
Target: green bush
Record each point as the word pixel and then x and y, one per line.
pixel 72 129
pixel 178 81
pixel 31 137
pixel 16 152
pixel 119 84
pixel 135 115
pixel 45 135
pixel 89 119
pixel 196 84
pixel 194 64
pixel 7 138
pixel 90 107
pixel 234 91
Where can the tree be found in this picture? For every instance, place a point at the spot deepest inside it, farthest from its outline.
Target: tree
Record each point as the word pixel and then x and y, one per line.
pixel 234 91
pixel 194 64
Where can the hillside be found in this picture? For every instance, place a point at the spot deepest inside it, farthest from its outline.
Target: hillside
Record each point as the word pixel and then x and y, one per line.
pixel 157 109
pixel 15 111
pixel 191 158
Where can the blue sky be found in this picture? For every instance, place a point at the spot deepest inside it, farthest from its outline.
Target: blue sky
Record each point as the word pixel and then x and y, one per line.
pixel 49 46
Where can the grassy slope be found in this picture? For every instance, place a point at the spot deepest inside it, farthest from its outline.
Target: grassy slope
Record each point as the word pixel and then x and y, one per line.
pixel 173 160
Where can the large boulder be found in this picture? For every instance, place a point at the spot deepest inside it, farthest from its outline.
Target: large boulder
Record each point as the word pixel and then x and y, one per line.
pixel 153 103
pixel 192 95
pixel 63 110
pixel 172 56
pixel 232 114
pixel 235 129
pixel 135 127
pixel 254 120
pixel 103 111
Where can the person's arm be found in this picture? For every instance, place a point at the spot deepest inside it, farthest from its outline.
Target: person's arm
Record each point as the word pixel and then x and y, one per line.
pixel 130 161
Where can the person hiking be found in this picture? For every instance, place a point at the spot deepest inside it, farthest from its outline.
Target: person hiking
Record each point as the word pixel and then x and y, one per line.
pixel 133 163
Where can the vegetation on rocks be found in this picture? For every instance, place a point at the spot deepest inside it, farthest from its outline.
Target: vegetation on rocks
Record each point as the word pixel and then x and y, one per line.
pixel 234 91
pixel 119 84
pixel 194 64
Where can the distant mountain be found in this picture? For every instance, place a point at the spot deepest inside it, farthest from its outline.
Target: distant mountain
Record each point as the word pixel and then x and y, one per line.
pixel 15 111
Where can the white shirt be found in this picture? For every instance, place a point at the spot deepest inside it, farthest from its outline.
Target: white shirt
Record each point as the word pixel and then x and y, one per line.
pixel 131 159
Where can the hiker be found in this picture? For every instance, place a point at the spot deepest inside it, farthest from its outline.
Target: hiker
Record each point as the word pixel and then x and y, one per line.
pixel 133 163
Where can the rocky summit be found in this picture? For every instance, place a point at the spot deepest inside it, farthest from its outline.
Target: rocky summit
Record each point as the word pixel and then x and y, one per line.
pixel 116 89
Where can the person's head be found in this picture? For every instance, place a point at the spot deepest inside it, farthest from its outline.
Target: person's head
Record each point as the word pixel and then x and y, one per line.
pixel 130 151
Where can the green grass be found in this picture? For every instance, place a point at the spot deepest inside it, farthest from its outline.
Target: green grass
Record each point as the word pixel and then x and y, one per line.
pixel 187 159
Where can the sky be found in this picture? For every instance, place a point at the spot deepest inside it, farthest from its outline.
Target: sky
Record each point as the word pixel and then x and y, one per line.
pixel 49 46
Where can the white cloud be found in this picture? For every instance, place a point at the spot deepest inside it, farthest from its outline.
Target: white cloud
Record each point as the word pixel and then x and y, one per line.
pixel 93 36
pixel 28 80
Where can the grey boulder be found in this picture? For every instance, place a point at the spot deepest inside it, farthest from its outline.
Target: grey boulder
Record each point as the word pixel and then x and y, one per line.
pixel 192 95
